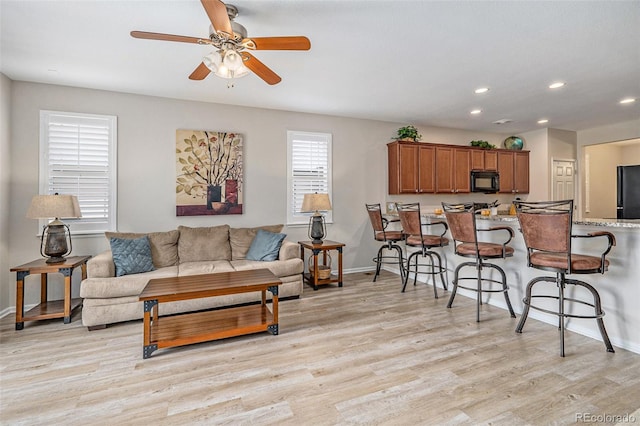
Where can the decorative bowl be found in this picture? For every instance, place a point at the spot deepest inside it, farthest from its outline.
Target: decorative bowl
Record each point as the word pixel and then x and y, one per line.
pixel 513 142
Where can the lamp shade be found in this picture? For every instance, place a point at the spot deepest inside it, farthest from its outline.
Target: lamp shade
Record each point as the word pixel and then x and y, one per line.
pixel 54 206
pixel 315 202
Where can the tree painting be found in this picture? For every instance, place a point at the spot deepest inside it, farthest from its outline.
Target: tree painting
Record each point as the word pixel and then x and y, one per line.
pixel 209 173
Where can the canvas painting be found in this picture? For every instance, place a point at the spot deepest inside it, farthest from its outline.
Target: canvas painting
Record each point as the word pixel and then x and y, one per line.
pixel 208 173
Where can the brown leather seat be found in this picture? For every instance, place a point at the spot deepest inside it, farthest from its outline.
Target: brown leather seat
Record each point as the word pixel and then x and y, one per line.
pixel 412 227
pixel 380 233
pixel 546 227
pixel 462 223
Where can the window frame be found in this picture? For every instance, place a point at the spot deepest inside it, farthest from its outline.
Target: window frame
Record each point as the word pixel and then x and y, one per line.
pixel 80 226
pixel 299 218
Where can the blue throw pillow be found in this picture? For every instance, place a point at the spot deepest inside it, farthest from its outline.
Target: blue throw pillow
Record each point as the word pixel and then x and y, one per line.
pixel 131 256
pixel 265 246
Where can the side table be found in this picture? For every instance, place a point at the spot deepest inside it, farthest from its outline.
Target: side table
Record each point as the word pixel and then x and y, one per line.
pixel 48 309
pixel 311 277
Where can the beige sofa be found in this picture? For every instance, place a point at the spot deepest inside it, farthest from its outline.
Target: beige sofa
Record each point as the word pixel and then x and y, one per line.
pixel 185 251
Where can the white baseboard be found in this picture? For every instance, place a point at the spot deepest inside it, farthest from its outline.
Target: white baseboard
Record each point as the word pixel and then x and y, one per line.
pixel 12 310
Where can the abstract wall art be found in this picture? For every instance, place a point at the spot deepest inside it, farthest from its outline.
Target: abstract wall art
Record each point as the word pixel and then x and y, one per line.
pixel 209 173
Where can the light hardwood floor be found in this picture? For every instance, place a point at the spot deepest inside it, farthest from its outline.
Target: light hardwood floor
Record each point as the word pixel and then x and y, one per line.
pixel 361 354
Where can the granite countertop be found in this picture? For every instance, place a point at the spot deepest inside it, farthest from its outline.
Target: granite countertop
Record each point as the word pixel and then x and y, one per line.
pixel 614 223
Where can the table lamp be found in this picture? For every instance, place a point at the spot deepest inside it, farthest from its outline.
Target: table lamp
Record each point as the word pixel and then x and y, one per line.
pixel 55 243
pixel 316 203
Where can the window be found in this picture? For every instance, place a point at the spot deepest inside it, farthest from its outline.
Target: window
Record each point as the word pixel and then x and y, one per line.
pixel 308 171
pixel 78 157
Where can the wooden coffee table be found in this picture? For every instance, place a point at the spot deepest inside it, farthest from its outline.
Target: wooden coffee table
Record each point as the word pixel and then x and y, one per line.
pixel 203 326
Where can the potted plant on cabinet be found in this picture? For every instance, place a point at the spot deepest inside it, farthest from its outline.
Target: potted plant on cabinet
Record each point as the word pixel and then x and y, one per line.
pixel 408 133
pixel 482 144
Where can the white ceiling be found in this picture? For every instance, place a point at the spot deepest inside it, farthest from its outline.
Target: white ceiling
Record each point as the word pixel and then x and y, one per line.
pixel 414 62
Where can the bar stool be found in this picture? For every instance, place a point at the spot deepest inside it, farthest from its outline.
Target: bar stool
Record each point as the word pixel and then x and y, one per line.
pixel 462 224
pixel 390 238
pixel 412 228
pixel 546 227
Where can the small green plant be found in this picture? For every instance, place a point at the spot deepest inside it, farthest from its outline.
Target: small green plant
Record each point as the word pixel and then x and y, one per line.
pixel 408 132
pixel 482 144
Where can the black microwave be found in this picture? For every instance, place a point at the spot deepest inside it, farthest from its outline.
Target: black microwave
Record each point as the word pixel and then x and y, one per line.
pixel 484 181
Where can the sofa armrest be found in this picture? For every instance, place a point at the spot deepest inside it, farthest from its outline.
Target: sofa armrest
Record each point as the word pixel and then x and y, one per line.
pixel 289 250
pixel 101 266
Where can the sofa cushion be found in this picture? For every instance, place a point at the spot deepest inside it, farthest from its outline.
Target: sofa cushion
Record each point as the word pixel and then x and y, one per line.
pixel 128 285
pixel 241 238
pixel 279 268
pixel 131 256
pixel 204 267
pixel 210 243
pixel 265 246
pixel 164 245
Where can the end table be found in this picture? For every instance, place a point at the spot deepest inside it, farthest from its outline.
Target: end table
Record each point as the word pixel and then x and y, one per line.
pixel 311 277
pixel 48 309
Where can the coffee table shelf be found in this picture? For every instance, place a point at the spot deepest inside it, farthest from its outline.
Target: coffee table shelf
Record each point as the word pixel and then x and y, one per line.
pixel 185 329
pixel 203 326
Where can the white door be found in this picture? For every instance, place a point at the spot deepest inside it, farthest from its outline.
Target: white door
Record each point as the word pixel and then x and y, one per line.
pixel 563 179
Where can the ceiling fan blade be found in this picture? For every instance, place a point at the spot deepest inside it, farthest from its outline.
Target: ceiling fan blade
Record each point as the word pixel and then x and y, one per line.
pixel 168 37
pixel 279 43
pixel 260 69
pixel 217 12
pixel 200 73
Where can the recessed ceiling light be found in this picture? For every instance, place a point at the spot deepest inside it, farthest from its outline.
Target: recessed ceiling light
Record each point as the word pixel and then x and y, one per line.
pixel 544 120
pixel 628 100
pixel 556 85
pixel 476 111
pixel 482 90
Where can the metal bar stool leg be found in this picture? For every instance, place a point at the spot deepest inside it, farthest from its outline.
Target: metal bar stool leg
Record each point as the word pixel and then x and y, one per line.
pixel 455 283
pixel 400 259
pixel 441 270
pixel 561 313
pixel 599 314
pixel 505 287
pixel 378 263
pixel 527 302
pixel 406 277
pixel 429 254
pixel 479 291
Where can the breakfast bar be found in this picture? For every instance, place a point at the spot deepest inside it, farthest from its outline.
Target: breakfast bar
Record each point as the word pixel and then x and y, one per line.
pixel 619 288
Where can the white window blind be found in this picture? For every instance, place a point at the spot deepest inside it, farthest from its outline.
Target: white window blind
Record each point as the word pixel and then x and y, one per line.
pixel 78 157
pixel 309 171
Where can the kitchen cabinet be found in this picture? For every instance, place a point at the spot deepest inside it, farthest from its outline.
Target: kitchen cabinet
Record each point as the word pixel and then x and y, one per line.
pixel 411 167
pixel 484 159
pixel 513 167
pixel 417 168
pixel 453 169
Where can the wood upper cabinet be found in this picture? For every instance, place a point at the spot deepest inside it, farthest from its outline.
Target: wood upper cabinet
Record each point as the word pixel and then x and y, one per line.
pixel 513 167
pixel 490 160
pixel 484 159
pixel 453 169
pixel 411 167
pixel 436 168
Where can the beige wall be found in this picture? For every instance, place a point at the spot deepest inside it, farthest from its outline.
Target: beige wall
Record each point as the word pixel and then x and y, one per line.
pixel 5 177
pixel 602 137
pixel 146 167
pixel 630 154
pixel 600 191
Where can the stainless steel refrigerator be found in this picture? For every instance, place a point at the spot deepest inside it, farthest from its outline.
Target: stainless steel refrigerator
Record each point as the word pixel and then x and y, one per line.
pixel 629 192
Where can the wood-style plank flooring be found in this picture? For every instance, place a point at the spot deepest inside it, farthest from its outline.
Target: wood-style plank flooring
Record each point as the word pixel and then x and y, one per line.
pixel 361 354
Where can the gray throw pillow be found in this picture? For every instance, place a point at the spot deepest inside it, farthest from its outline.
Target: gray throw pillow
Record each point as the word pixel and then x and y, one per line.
pixel 131 256
pixel 265 246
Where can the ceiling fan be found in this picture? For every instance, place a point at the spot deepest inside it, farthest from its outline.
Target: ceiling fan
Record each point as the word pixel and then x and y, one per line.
pixel 231 59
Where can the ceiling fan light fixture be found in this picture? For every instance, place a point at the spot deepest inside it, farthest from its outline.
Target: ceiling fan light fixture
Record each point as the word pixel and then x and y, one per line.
pixel 232 60
pixel 212 61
